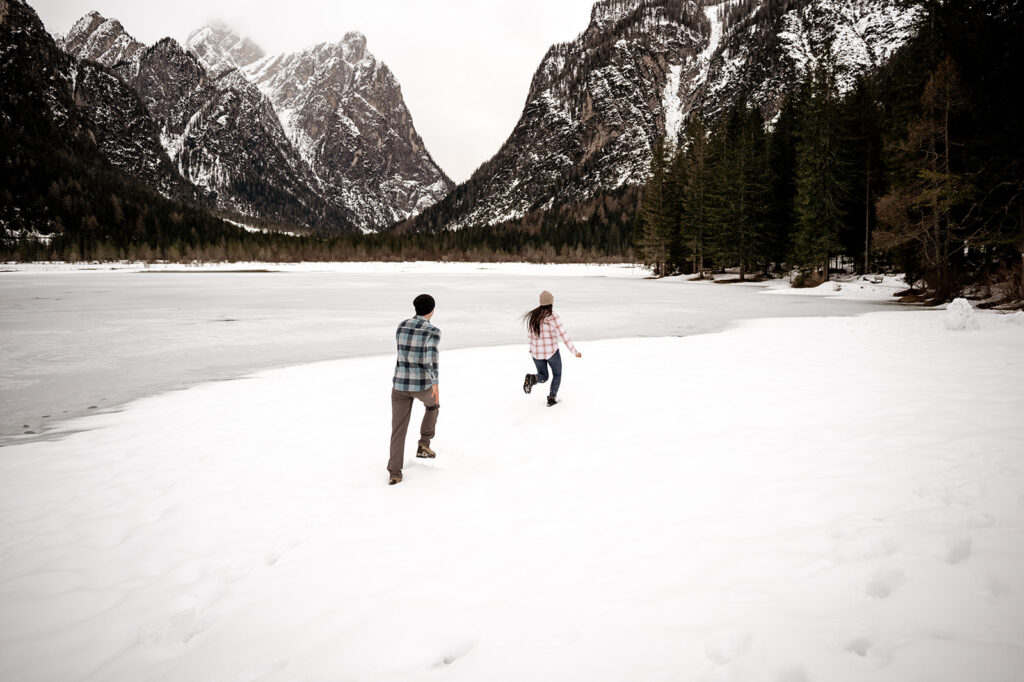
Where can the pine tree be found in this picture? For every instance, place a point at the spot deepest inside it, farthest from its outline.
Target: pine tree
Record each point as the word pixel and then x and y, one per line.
pixel 864 122
pixel 696 212
pixel 782 144
pixel 739 188
pixel 653 238
pixel 822 176
pixel 676 184
pixel 719 194
pixel 930 211
pixel 753 183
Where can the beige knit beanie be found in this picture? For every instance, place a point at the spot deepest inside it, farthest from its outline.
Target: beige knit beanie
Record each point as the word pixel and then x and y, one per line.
pixel 546 298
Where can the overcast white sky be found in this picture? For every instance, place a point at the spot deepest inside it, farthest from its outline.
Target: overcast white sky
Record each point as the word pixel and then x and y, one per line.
pixel 464 65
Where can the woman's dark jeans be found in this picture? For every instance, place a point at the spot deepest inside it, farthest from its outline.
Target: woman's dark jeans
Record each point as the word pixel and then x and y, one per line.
pixel 556 371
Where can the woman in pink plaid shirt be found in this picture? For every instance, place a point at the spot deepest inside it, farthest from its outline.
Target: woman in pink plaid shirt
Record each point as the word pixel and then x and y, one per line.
pixel 545 329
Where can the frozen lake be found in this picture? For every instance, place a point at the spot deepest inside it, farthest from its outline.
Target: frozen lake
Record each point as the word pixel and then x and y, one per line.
pixel 73 343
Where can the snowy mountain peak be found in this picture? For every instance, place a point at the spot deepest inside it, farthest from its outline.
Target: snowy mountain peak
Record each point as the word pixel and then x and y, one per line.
pixel 219 48
pixel 101 40
pixel 355 44
pixel 87 24
pixel 343 111
pixel 317 136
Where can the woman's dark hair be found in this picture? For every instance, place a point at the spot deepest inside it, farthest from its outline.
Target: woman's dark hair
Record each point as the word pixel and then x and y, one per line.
pixel 535 317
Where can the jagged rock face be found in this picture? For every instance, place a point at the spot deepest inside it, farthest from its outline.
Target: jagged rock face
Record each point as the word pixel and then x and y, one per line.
pixel 343 111
pixel 101 40
pixel 247 173
pixel 86 98
pixel 220 49
pixel 323 131
pixel 123 129
pixel 597 104
pixel 593 112
pixel 765 52
pixel 221 133
pixel 36 76
pixel 172 85
pixel 62 119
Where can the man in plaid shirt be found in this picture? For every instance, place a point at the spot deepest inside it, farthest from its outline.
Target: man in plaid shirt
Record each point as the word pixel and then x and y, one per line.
pixel 415 378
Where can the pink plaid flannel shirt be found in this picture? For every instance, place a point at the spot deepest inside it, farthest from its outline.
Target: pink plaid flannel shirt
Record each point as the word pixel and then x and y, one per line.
pixel 545 345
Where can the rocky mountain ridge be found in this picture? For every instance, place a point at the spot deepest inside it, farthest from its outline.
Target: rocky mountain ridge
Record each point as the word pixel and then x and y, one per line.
pixel 597 104
pixel 347 154
pixel 343 111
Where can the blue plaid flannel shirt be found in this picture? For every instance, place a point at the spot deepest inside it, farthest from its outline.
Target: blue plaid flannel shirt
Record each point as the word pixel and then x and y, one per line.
pixel 416 367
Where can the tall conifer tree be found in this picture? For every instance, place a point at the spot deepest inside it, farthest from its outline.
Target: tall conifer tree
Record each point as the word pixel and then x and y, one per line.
pixel 695 221
pixel 654 236
pixel 822 175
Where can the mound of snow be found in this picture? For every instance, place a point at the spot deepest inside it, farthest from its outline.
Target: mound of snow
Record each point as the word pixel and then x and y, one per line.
pixel 960 316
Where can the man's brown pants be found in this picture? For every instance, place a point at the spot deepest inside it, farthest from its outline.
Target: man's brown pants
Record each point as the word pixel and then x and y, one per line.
pixel 401 410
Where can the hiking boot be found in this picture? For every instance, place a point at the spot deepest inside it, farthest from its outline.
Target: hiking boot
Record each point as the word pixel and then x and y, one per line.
pixel 529 382
pixel 424 452
pixel 552 400
pixel 395 478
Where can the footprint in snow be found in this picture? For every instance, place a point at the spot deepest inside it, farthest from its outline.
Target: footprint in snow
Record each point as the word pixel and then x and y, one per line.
pixel 275 552
pixel 981 521
pixel 256 673
pixel 990 587
pixel 859 646
pixel 725 646
pixel 232 573
pixel 884 582
pixel 949 495
pixel 865 545
pixel 454 654
pixel 793 674
pixel 178 628
pixel 272 555
pixel 959 551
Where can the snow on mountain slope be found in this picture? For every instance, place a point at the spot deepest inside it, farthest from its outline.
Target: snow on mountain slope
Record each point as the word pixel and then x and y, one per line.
pixel 343 111
pixel 320 137
pixel 101 40
pixel 764 52
pixel 220 49
pixel 858 35
pixel 124 130
pixel 239 159
pixel 598 103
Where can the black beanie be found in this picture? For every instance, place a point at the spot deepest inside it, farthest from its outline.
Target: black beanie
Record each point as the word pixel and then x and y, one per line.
pixel 424 304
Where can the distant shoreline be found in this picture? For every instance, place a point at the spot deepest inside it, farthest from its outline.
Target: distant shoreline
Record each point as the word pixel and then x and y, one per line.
pixel 348 267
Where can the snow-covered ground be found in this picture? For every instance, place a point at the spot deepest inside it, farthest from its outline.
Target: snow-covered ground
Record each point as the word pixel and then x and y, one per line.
pixel 848 287
pixel 789 500
pixel 879 288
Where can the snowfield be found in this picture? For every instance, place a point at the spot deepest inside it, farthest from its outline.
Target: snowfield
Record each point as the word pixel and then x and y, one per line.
pixel 789 500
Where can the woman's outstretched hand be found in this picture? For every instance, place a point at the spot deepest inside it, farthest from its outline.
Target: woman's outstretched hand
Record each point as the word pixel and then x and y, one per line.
pixel 579 354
